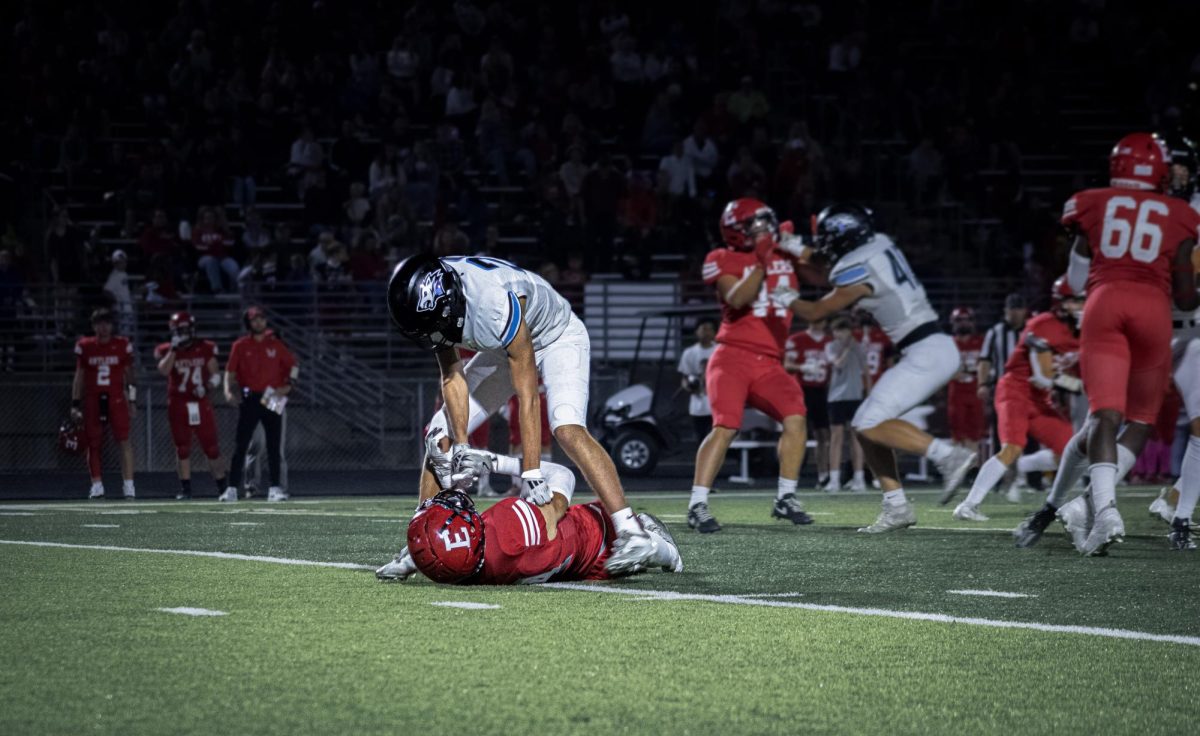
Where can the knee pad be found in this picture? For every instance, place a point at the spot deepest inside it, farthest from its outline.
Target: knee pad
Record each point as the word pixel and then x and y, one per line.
pixel 560 479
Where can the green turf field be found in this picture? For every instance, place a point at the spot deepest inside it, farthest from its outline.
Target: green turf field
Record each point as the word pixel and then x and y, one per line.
pixel 776 629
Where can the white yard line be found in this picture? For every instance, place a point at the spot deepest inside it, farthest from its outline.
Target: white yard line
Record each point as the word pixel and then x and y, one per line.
pixel 245 523
pixel 750 600
pixel 187 611
pixel 101 526
pixel 468 605
pixel 196 553
pixel 991 593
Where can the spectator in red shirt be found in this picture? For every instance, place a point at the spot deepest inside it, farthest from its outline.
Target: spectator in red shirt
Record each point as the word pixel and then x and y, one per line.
pixel 262 368
pixel 212 242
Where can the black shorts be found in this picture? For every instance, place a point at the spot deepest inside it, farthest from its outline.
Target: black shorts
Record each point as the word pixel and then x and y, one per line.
pixel 841 412
pixel 816 401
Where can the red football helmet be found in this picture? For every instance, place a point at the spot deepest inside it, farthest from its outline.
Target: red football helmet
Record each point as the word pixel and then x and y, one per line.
pixel 445 538
pixel 70 437
pixel 962 314
pixel 1062 292
pixel 182 325
pixel 744 221
pixel 1139 161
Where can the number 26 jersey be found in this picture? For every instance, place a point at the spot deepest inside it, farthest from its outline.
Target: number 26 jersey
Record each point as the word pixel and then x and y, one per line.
pixel 897 300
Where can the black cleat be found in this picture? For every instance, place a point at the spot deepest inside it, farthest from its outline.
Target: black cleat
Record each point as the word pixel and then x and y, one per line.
pixel 1031 530
pixel 700 519
pixel 1180 538
pixel 182 496
pixel 789 508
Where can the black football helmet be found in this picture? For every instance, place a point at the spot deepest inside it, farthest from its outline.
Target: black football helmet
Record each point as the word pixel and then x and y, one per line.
pixel 426 301
pixel 1181 183
pixel 840 228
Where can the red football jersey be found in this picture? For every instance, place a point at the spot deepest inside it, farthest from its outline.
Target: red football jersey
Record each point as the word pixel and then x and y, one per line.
pixel 191 367
pixel 805 349
pixel 103 363
pixel 875 344
pixel 760 326
pixel 516 549
pixel 969 347
pixel 1133 234
pixel 1049 333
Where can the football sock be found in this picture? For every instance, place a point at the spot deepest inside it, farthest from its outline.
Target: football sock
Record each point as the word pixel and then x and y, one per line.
pixel 1189 480
pixel 895 498
pixel 938 450
pixel 989 475
pixel 860 477
pixel 835 479
pixel 507 465
pixel 625 521
pixel 221 485
pixel 699 495
pixel 1037 462
pixel 1125 461
pixel 1071 468
pixel 786 486
pixel 185 485
pixel 1104 485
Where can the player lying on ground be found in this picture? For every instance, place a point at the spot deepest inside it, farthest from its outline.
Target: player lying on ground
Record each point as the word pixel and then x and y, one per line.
pixel 1042 361
pixel 521 329
pixel 514 541
pixel 1133 248
pixel 868 269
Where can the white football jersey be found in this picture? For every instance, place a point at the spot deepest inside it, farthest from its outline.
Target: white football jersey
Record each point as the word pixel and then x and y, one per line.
pixel 493 288
pixel 897 300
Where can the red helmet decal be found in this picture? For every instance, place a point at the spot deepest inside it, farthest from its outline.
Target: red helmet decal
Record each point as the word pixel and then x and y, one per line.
pixel 445 538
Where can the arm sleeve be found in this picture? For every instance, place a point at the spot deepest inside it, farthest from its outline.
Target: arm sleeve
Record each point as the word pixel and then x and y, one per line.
pixel 851 274
pixel 1077 271
pixel 498 318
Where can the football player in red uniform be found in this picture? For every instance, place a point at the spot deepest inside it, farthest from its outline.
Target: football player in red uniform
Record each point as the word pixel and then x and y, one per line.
pixel 747 366
pixel 1045 359
pixel 804 356
pixel 514 541
pixel 192 374
pixel 875 344
pixel 1133 250
pixel 101 394
pixel 963 408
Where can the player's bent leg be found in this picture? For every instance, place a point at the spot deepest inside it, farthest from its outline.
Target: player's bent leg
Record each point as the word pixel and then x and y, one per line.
pixel 989 475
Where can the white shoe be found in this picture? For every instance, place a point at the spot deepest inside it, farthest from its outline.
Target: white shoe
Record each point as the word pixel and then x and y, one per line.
pixel 97 491
pixel 875 484
pixel 275 493
pixel 632 552
pixel 892 517
pixel 858 485
pixel 1108 529
pixel 230 495
pixel 829 487
pixel 668 551
pixel 1161 507
pixel 953 469
pixel 399 569
pixel 963 512
pixel 1076 518
pixel 130 494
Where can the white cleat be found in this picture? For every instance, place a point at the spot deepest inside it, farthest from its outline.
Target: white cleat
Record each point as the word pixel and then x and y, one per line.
pixel 399 569
pixel 1161 508
pixel 892 517
pixel 229 496
pixel 668 552
pixel 953 469
pixel 275 493
pixel 97 491
pixel 1108 529
pixel 632 552
pixel 963 512
pixel 1076 517
pixel 858 485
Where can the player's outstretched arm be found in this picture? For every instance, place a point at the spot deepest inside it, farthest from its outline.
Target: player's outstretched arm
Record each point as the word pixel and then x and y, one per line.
pixel 835 301
pixel 1183 277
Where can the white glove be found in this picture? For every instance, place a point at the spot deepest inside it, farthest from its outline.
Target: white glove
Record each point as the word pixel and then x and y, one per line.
pixel 534 487
pixel 437 461
pixel 468 463
pixel 793 245
pixel 783 296
pixel 1068 383
pixel 176 341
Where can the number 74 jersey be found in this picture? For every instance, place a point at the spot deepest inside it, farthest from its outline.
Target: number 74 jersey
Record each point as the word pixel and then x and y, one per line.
pixel 1133 234
pixel 897 300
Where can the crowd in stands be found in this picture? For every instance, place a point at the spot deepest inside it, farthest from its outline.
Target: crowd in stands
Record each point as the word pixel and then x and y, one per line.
pixel 401 126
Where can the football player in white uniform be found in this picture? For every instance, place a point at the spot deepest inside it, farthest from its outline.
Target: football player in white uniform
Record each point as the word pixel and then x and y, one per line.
pixel 868 269
pixel 520 328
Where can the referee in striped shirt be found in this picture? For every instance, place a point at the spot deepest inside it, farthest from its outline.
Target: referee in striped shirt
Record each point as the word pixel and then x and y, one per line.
pixel 998 344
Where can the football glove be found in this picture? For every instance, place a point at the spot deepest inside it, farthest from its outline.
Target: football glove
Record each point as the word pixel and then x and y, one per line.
pixel 176 341
pixel 437 461
pixel 1068 383
pixel 791 243
pixel 534 488
pixel 468 463
pixel 783 296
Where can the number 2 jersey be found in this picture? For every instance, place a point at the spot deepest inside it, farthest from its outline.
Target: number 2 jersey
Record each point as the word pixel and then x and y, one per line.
pixel 493 290
pixel 760 326
pixel 104 364
pixel 190 371
pixel 1133 234
pixel 897 300
pixel 516 548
